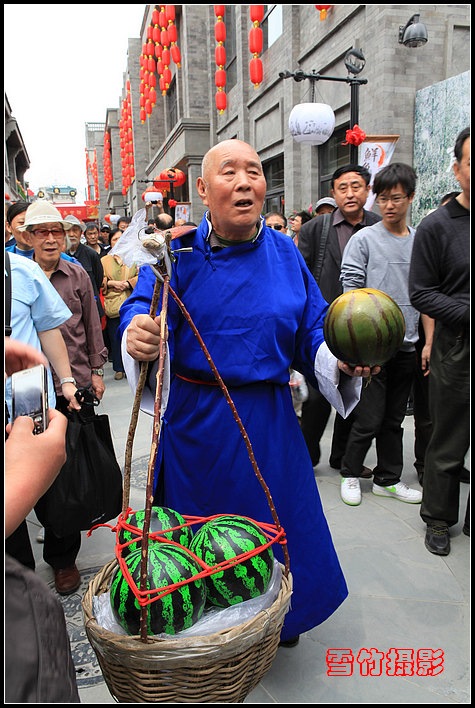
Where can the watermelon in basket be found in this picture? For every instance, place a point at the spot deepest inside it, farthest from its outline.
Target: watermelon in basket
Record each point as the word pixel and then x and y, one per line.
pixel 179 609
pixel 224 538
pixel 163 521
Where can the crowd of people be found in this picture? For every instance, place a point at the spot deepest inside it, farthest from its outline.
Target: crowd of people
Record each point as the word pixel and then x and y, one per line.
pixel 80 304
pixel 353 248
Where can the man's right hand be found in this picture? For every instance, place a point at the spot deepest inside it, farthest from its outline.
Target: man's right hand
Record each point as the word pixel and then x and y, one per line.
pixel 143 338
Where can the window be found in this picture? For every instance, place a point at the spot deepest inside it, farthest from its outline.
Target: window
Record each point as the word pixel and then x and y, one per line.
pixel 332 155
pixel 172 105
pixel 274 174
pixel 271 24
pixel 230 46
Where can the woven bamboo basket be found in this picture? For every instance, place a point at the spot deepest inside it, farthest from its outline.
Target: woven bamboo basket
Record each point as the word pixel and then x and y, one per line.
pixel 223 667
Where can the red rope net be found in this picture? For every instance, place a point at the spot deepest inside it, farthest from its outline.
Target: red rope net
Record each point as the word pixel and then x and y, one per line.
pixel 145 597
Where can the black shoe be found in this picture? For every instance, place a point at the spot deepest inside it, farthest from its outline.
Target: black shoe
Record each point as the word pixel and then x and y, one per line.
pixel 290 642
pixel 437 540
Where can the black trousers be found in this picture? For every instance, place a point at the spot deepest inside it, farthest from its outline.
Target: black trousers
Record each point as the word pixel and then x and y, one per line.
pixel 422 419
pixel 315 414
pixel 449 400
pixel 379 415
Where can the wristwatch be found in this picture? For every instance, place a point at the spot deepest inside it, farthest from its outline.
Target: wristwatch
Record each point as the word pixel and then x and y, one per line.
pixel 97 372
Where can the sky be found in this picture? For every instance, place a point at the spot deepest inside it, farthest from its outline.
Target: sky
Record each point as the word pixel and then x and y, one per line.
pixel 63 68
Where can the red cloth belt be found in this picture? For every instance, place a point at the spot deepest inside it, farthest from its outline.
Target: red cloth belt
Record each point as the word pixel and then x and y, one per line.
pixel 195 381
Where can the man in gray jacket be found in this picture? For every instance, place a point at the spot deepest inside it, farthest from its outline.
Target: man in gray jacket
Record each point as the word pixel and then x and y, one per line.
pixel 322 242
pixel 379 257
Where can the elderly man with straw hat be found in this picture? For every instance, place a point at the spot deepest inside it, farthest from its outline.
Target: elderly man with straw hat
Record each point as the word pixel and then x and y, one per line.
pixel 83 337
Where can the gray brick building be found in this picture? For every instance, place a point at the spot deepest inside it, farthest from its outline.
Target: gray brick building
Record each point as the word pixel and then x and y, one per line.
pixel 185 122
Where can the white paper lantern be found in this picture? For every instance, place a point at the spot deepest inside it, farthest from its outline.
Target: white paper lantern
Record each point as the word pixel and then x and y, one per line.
pixel 311 123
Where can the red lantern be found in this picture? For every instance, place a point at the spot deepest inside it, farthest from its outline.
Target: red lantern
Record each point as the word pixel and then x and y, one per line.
pixel 170 13
pixel 176 55
pixel 220 78
pixel 172 33
pixel 220 55
pixel 257 13
pixel 172 173
pixel 221 101
pixel 323 11
pixel 220 31
pixel 256 71
pixel 256 41
pixel 219 10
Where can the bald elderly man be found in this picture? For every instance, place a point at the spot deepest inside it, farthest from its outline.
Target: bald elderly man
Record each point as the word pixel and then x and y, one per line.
pixel 260 313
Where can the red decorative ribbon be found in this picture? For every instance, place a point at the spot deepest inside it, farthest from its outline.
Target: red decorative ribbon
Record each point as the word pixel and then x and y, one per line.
pixel 355 136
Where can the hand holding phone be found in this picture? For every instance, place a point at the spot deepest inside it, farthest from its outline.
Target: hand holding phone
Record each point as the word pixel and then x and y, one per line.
pixel 30 396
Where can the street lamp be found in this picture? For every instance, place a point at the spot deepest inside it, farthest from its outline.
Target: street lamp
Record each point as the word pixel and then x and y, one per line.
pixel 414 34
pixel 355 63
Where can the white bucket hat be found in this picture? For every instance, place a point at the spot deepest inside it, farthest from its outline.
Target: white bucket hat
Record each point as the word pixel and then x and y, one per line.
pixel 74 221
pixel 42 212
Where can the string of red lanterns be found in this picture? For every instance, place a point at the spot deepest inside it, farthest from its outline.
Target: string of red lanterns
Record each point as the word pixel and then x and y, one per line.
pixel 87 175
pixel 220 58
pixel 106 160
pixel 323 11
pixel 95 176
pixel 256 42
pixel 127 142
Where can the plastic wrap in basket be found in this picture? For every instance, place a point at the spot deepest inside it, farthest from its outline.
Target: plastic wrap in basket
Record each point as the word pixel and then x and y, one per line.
pixel 222 667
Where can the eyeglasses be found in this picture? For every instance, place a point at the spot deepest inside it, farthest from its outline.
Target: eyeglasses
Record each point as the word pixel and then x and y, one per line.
pixel 397 199
pixel 44 233
pixel 277 227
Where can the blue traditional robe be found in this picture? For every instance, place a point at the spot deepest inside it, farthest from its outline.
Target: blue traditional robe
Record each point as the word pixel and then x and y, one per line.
pixel 260 313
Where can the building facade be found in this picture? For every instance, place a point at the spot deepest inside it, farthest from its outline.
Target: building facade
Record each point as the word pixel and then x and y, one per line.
pixel 185 122
pixel 16 160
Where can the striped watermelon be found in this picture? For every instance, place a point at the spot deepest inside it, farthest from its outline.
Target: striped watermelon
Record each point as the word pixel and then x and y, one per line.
pixel 364 327
pixel 173 612
pixel 161 519
pixel 222 539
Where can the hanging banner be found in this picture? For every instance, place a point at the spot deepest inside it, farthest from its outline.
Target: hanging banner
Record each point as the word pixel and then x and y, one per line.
pixel 375 153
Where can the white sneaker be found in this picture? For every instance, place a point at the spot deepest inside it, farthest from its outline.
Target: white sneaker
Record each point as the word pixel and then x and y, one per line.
pixel 351 491
pixel 399 491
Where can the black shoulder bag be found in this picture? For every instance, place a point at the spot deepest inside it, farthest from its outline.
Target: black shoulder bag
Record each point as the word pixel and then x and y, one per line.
pixel 88 488
pixel 322 247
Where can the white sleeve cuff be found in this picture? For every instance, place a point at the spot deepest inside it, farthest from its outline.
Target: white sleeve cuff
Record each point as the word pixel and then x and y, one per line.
pixel 343 392
pixel 132 371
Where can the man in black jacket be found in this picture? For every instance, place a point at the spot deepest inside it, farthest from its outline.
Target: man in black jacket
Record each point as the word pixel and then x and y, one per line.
pixel 322 242
pixel 439 286
pixel 87 257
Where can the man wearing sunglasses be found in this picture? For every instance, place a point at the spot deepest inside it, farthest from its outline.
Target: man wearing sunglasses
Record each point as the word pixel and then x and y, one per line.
pixel 276 220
